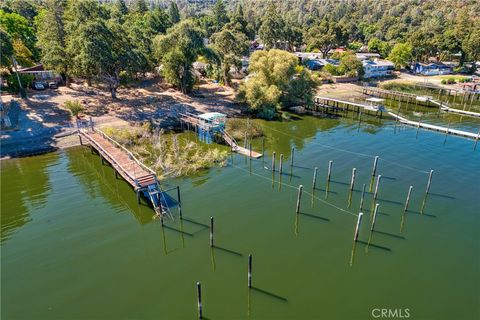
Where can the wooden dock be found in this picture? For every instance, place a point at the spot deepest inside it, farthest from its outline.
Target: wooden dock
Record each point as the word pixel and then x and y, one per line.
pixel 427 126
pixel 139 176
pixel 414 99
pixel 195 123
pixel 332 105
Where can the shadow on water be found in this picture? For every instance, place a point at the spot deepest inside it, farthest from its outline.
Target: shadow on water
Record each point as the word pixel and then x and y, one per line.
pixel 324 190
pixel 422 214
pixel 340 182
pixel 389 234
pixel 376 246
pixel 390 201
pixel 314 216
pixel 177 230
pixel 195 222
pixel 441 196
pixel 389 178
pixel 228 251
pixel 268 293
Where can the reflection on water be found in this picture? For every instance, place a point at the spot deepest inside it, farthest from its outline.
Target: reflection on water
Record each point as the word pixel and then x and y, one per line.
pixel 25 186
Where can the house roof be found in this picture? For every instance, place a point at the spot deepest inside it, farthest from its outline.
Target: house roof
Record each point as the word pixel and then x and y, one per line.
pixel 211 116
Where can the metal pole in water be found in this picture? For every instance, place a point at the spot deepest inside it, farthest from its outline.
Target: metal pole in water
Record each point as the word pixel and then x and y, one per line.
pixel 199 300
pixel 263 146
pixel 374 170
pixel 329 170
pixel 315 177
pixel 245 142
pixel 299 197
pixel 211 231
pixel 280 168
pixel 429 181
pixel 250 150
pixel 374 217
pixel 408 198
pixel 249 270
pixel 363 196
pixel 357 228
pixel 291 160
pixel 376 187
pixel 273 161
pixel 352 182
pixel 179 202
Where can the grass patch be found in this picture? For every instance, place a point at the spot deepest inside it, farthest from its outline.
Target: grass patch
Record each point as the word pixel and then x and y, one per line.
pixel 237 127
pixel 402 86
pixel 170 155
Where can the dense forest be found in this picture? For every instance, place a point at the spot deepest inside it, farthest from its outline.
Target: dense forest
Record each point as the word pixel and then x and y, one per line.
pixel 116 41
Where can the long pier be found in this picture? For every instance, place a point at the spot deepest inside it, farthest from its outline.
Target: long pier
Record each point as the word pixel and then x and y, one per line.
pixel 414 99
pixel 427 126
pixel 138 175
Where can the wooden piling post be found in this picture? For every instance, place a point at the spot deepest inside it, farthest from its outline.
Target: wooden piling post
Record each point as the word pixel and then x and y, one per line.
pixel 363 196
pixel 374 170
pixel 376 187
pixel 80 138
pixel 273 161
pixel 374 216
pixel 245 141
pixel 280 167
pixel 250 150
pixel 211 231
pixel 357 228
pixel 429 182
pixel 299 198
pixel 116 173
pixel 199 300
pixel 138 195
pixel 179 202
pixel 249 270
pixel 329 170
pixel 314 178
pixel 263 146
pixel 291 159
pixel 408 198
pixel 476 140
pixel 352 182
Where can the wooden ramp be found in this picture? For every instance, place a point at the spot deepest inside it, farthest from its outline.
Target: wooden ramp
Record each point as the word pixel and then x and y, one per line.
pixel 238 149
pixel 427 126
pixel 139 176
pixel 195 123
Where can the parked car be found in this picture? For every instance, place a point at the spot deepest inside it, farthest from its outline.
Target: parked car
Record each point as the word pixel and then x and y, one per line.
pixel 52 85
pixel 38 86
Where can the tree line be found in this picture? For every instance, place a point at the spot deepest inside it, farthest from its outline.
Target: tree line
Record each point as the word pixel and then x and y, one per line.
pixel 116 41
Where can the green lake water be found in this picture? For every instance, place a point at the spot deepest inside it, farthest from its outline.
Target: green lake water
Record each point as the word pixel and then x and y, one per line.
pixel 75 243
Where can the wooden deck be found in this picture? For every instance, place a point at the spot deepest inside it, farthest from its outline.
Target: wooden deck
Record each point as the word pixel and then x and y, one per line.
pixel 122 160
pixel 191 120
pixel 327 104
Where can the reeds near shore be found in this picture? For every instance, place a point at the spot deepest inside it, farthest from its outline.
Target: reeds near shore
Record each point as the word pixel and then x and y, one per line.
pixel 170 155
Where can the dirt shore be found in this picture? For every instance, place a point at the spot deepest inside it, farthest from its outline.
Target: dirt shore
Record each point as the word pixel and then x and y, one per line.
pixel 43 124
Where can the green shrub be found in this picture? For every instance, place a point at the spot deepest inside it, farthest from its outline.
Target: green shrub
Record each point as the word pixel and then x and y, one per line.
pixel 74 107
pixel 12 81
pixel 451 81
pixel 444 81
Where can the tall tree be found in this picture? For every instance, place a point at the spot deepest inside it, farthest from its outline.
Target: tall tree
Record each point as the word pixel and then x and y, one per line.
pixel 173 13
pixel 323 37
pixel 140 6
pixel 272 30
pixel 230 45
pixel 6 49
pixel 177 50
pixel 220 17
pixel 19 28
pixel 52 37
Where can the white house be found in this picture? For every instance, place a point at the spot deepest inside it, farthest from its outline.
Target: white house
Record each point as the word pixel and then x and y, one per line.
pixel 377 68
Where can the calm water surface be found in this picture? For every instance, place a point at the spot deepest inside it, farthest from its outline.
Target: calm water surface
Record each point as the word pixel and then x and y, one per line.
pixel 76 245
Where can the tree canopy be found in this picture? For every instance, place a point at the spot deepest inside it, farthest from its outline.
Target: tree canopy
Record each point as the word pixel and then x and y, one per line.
pixel 276 81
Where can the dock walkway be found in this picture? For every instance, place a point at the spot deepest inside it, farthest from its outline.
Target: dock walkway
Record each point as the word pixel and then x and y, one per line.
pixel 414 99
pixel 138 175
pixel 427 126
